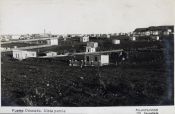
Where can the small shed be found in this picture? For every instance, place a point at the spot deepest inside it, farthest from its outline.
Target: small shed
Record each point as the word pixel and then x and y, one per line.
pixel 51 53
pixel 23 54
pixel 133 38
pixel 155 37
pixel 116 41
pixel 84 39
pixel 92 44
pixel 108 35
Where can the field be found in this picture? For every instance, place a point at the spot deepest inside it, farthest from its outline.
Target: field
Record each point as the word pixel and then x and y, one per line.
pixel 146 78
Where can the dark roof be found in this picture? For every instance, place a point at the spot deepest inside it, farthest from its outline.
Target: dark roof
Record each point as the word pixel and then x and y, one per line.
pixel 140 29
pixel 153 28
pixel 163 28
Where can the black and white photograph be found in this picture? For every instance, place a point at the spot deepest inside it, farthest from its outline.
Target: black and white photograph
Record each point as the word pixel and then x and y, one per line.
pixel 87 53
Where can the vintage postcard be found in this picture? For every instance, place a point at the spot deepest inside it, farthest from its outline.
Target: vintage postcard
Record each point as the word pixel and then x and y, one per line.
pixel 87 56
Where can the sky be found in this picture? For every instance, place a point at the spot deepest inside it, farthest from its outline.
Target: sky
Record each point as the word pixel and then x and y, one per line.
pixel 83 16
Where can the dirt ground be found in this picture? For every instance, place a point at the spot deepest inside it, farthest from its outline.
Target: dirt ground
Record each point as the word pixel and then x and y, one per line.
pixel 144 79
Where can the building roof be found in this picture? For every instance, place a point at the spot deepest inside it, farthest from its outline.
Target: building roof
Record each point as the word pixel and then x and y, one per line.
pixel 50 52
pixel 140 29
pixel 155 28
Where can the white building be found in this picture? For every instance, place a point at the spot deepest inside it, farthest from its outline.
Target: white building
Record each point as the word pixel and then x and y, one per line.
pixel 133 38
pixel 84 39
pixel 23 54
pixel 90 49
pixel 5 38
pixel 51 53
pixel 92 44
pixel 108 35
pixel 155 37
pixel 53 41
pixel 115 41
pixel 167 32
pixel 16 37
pixel 95 60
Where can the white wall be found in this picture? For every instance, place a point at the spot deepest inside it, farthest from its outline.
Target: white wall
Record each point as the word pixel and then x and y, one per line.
pixel 92 44
pixel 20 54
pixel 84 39
pixel 16 36
pixel 104 59
pixel 116 41
pixel 52 42
pixel 133 38
pixel 90 49
pixel 51 54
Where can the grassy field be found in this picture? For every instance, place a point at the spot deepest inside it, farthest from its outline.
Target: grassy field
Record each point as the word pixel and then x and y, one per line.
pixel 146 78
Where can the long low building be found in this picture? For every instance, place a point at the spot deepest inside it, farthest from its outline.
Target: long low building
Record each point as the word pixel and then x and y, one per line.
pixel 23 54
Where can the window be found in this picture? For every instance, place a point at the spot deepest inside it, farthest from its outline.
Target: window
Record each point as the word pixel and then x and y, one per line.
pixel 96 59
pixel 87 58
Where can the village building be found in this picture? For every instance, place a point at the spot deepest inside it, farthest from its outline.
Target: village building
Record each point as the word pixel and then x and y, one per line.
pixel 153 31
pixel 96 60
pixel 168 32
pixel 16 37
pixel 91 47
pixel 155 37
pixel 108 36
pixel 140 32
pixel 5 38
pixel 84 39
pixel 23 54
pixel 50 53
pixel 53 41
pixel 25 36
pixel 133 38
pixel 92 44
pixel 116 41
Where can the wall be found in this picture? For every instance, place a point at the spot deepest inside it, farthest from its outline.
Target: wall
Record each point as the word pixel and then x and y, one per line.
pixel 51 54
pixel 90 49
pixel 104 60
pixel 20 54
pixel 95 60
pixel 116 41
pixel 52 42
pixel 84 39
pixel 92 44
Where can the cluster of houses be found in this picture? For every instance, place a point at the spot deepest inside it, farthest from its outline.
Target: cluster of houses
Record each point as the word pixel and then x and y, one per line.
pixel 91 58
pixel 5 38
pixel 91 55
pixel 154 32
